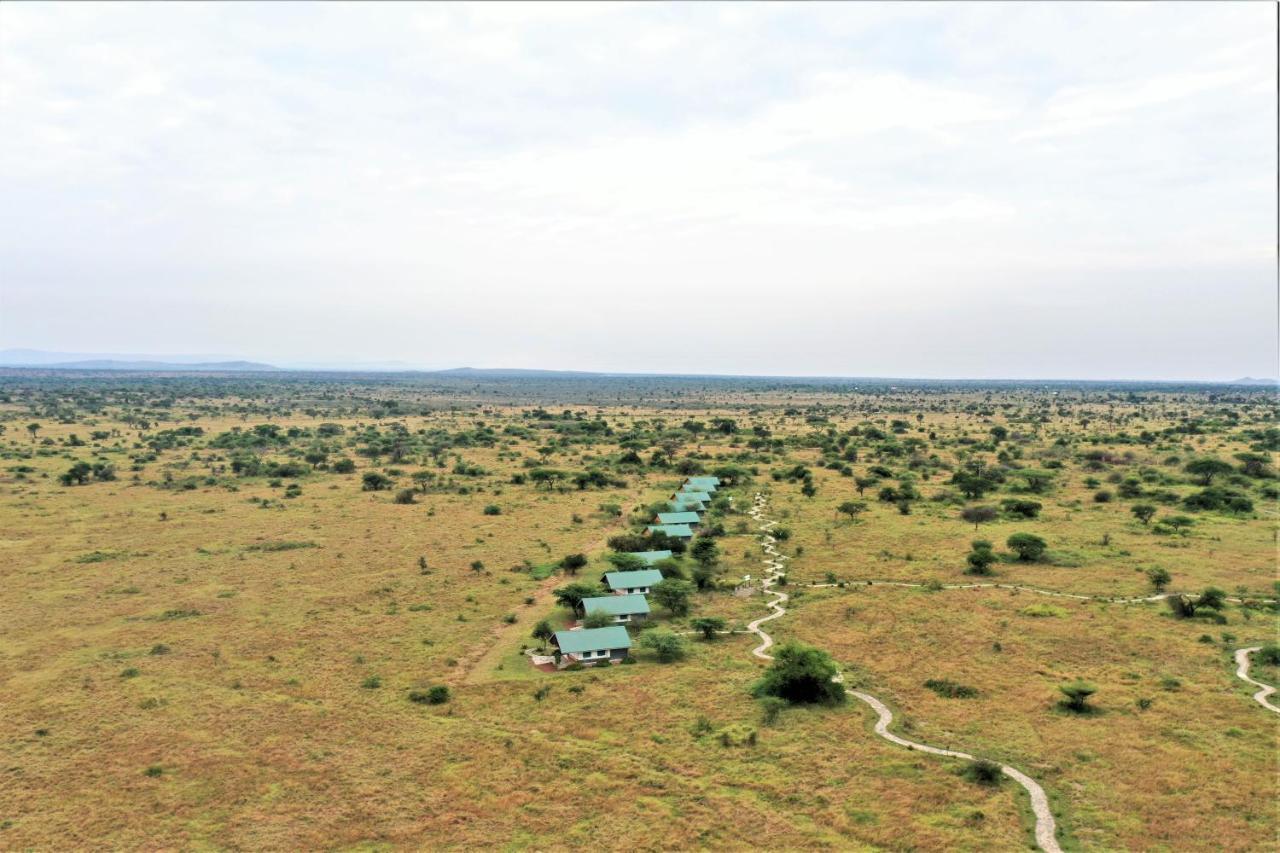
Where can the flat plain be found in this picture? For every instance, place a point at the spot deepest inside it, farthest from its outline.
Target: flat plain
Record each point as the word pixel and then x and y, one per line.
pixel 222 598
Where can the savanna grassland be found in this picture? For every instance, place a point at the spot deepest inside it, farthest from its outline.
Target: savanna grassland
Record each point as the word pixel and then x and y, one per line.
pixel 229 605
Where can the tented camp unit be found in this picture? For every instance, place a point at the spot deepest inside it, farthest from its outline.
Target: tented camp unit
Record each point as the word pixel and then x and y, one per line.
pixel 682 504
pixel 627 583
pixel 702 497
pixel 676 531
pixel 690 518
pixel 651 557
pixel 592 645
pixel 623 608
pixel 702 484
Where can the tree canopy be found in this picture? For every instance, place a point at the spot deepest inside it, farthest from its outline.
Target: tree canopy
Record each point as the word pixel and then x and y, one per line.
pixel 801 675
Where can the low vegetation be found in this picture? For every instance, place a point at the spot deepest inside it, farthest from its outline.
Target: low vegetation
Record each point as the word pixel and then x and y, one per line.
pixel 260 588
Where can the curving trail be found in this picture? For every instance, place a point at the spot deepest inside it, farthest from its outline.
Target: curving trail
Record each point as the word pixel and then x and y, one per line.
pixel 1109 599
pixel 773 561
pixel 1242 672
pixel 1046 827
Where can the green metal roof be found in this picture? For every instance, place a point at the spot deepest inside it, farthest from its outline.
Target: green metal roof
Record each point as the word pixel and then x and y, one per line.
pixel 678 518
pixel 680 531
pixel 692 496
pixel 593 639
pixel 680 504
pixel 651 557
pixel 616 605
pixel 711 482
pixel 634 580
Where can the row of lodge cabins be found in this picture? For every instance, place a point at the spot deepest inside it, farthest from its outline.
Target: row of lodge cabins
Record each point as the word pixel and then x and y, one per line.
pixel 626 601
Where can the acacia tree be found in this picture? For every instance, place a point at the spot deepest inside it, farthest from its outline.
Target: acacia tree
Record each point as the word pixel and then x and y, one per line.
pixel 1207 469
pixel 1143 512
pixel 673 594
pixel 375 482
pixel 77 474
pixel 705 551
pixel 572 563
pixel 1160 578
pixel 708 625
pixel 1077 694
pixel 571 596
pixel 976 515
pixel 852 508
pixel 543 632
pixel 1028 546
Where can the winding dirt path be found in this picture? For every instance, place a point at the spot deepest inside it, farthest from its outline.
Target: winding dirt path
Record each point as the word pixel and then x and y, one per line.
pixel 1242 672
pixel 1109 599
pixel 1046 827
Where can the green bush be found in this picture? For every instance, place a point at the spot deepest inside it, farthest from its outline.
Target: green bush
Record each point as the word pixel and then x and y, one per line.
pixel 801 674
pixel 983 772
pixel 1027 546
pixel 667 645
pixel 437 695
pixel 950 689
pixel 1268 655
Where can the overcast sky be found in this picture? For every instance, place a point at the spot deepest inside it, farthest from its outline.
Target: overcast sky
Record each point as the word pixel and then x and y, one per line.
pixel 1045 190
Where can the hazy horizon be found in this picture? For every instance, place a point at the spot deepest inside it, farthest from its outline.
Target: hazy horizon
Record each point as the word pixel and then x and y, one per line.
pixel 56 358
pixel 1008 191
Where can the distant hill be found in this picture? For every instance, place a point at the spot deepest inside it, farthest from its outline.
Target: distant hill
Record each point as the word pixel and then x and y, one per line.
pixel 47 360
pixel 201 366
pixel 517 373
pixel 1249 380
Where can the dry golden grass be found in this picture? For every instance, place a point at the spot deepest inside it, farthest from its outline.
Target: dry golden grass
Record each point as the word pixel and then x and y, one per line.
pixel 266 735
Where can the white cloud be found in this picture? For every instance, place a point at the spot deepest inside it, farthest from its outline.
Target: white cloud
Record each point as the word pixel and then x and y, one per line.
pixel 472 175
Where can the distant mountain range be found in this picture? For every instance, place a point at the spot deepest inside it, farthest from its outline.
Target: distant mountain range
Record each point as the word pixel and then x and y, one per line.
pixel 46 360
pixel 109 361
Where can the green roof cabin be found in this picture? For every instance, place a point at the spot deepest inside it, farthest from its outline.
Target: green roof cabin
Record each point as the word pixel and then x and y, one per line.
pixel 691 496
pixel 627 583
pixel 682 504
pixel 690 518
pixel 592 645
pixel 651 557
pixel 705 484
pixel 675 531
pixel 623 608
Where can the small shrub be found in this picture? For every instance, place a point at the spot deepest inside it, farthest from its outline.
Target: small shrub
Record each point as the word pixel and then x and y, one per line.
pixel 1077 695
pixel 373 682
pixel 983 772
pixel 1268 655
pixel 950 689
pixel 770 708
pixel 437 695
pixel 1042 610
